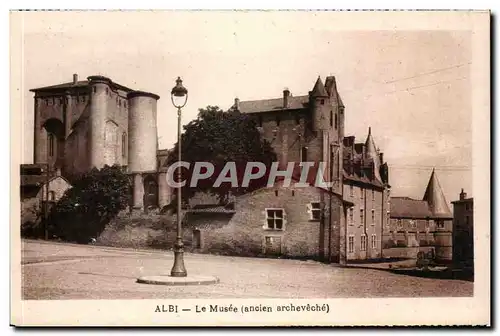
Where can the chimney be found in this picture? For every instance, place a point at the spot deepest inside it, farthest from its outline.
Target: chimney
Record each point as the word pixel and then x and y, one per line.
pixel 286 94
pixel 75 79
pixel 381 155
pixel 237 104
pixel 463 195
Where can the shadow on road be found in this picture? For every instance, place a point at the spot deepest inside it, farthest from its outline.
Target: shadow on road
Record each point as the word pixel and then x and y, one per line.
pixel 446 274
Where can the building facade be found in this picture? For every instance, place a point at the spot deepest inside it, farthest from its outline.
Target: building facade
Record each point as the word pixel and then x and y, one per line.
pixel 463 231
pixel 420 225
pixel 366 186
pixel 36 188
pixel 80 125
pixel 310 128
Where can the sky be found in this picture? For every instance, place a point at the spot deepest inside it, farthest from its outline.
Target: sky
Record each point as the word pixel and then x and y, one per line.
pixel 412 87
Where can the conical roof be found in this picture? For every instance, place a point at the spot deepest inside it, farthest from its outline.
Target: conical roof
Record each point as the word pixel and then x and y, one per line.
pixel 372 153
pixel 319 89
pixel 435 198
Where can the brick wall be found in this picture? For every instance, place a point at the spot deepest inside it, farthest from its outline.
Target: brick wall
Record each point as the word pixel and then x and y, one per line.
pixel 300 237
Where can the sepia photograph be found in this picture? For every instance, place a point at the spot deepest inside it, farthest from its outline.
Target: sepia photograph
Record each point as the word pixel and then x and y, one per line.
pixel 250 168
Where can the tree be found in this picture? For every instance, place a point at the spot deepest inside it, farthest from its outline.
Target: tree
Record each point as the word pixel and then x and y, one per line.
pixel 85 209
pixel 219 137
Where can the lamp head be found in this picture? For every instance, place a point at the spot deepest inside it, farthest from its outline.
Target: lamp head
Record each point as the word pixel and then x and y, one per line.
pixel 179 90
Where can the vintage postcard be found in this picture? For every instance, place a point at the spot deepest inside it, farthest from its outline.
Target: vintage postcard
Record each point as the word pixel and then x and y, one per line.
pixel 250 168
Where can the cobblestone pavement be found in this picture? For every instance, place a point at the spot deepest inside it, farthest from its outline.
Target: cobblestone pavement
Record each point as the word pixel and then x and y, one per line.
pixel 65 271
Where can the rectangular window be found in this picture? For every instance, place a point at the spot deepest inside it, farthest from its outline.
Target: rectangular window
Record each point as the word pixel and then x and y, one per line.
pixel 374 241
pixel 303 154
pixel 399 225
pixel 274 219
pixel 363 243
pixel 361 190
pixel 351 216
pixel 336 121
pixel 440 224
pixel 362 216
pixel 331 118
pixel 373 217
pixel 315 210
pixel 388 218
pixel 373 195
pixel 322 102
pixel 351 244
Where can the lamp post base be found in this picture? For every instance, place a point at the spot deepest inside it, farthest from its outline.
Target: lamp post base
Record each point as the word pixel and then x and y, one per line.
pixel 178 270
pixel 167 280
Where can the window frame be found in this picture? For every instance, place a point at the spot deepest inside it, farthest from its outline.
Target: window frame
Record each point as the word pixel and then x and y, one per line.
pixel 363 243
pixel 274 218
pixel 374 241
pixel 439 223
pixel 350 244
pixel 312 210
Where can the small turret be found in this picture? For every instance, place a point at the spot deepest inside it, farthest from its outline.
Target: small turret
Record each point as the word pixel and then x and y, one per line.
pixel 435 198
pixel 373 155
pixel 319 101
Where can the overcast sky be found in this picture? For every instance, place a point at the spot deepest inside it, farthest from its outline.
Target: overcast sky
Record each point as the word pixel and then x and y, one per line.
pixel 411 87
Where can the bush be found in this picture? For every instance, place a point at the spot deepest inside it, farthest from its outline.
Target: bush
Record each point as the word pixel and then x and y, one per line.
pixel 84 210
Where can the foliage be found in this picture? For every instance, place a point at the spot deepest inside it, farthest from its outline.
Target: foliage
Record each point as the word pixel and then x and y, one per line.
pixel 219 137
pixel 85 209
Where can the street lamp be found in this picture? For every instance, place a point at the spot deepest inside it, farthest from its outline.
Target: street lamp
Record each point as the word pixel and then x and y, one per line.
pixel 179 97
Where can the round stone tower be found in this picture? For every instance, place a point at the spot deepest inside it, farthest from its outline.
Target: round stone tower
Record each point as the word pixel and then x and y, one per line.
pixel 320 106
pixel 99 88
pixel 143 147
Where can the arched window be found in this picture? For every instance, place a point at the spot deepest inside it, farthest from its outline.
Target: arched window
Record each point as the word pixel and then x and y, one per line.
pixel 51 140
pixel 124 145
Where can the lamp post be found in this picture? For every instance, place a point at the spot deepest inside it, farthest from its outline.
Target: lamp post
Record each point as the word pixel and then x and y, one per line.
pixel 179 97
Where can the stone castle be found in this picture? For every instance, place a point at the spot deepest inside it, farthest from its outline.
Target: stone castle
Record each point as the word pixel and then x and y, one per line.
pixel 95 122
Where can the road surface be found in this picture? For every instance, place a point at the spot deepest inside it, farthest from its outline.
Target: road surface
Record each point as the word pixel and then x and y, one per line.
pixel 57 271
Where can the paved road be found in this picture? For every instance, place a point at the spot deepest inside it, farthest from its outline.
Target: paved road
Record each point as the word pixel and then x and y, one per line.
pixel 65 271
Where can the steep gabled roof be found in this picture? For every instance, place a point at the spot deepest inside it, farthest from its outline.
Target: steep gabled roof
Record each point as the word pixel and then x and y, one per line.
pixel 319 89
pixel 435 198
pixel 372 153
